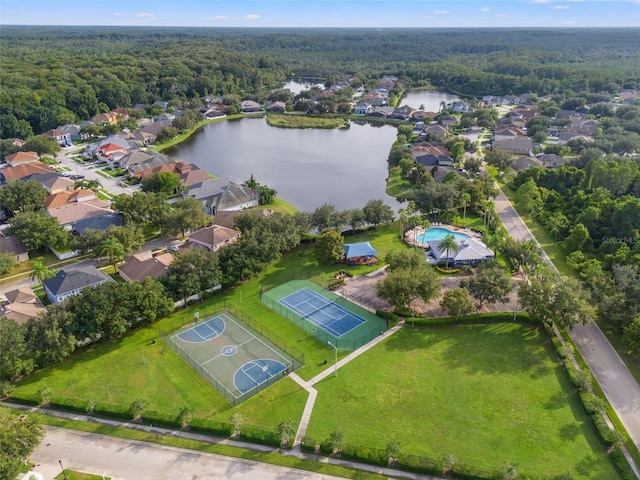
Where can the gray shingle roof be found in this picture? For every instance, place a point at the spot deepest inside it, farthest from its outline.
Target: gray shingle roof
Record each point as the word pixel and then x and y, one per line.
pixel 69 279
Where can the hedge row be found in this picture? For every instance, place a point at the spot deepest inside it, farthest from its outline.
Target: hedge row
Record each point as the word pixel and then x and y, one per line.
pixel 476 318
pixel 592 404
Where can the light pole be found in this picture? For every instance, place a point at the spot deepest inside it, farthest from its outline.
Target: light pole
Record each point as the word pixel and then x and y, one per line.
pixel 335 364
pixel 63 472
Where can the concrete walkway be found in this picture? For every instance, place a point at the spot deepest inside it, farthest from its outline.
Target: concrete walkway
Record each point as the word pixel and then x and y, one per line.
pixel 333 370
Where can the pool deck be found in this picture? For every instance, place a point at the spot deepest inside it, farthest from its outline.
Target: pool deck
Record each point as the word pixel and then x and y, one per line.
pixel 410 236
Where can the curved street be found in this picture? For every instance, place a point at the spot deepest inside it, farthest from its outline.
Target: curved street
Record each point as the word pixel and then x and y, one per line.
pixel 620 387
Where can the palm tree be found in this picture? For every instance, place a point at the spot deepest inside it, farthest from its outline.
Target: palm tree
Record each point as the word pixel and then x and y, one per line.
pixel 487 205
pixel 40 272
pixel 448 244
pixel 285 431
pixel 112 248
pixel 466 198
pixel 94 185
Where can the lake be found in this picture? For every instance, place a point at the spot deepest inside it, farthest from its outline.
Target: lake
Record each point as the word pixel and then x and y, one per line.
pixel 346 167
pixel 429 98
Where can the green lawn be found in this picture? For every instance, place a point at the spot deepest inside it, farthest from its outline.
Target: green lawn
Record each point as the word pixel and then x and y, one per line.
pixel 486 394
pixel 304 121
pixel 71 475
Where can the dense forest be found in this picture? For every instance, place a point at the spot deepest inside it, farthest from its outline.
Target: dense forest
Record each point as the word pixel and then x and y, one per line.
pixel 54 76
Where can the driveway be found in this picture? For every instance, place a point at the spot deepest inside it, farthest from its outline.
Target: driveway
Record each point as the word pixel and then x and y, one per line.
pixel 90 172
pixel 132 460
pixel 620 387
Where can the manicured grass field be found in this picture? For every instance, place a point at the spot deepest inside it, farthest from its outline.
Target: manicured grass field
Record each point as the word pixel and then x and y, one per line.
pixel 304 121
pixel 486 394
pixel 71 475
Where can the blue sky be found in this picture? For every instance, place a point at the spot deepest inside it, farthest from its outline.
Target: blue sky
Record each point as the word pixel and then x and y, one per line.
pixel 325 13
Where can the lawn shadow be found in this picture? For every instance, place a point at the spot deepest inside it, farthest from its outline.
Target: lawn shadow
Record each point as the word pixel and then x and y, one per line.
pixel 570 431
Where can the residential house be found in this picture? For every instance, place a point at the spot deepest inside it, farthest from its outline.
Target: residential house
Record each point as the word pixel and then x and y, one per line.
pixel 72 280
pixel 121 112
pixel 471 251
pixel 362 108
pixel 508 131
pixel 402 113
pixel 144 265
pixel 515 145
pixel 228 218
pixel 17 142
pixel 52 182
pixel 162 104
pixel 14 246
pixel 20 158
pixel 249 106
pixel 214 237
pixel 436 132
pixel 277 107
pixel 109 148
pixel 190 174
pixel 164 118
pixel 448 120
pixel 109 118
pixel 73 131
pixel 97 222
pixel 21 305
pixel 140 167
pixel 381 112
pixel 61 136
pixel 524 163
pixel 220 194
pixel 72 207
pixel 213 111
pixel 421 115
pixel 462 107
pixel 550 160
pixel 18 172
pixel 377 98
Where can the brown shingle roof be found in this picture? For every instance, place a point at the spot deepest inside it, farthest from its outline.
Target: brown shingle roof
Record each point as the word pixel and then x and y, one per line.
pixel 139 267
pixel 25 169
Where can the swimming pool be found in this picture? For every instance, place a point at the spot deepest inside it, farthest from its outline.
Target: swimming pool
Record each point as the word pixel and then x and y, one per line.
pixel 437 233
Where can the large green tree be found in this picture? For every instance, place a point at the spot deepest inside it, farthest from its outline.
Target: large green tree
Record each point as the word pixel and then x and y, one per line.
pixel 186 215
pixel 408 277
pixel 490 283
pixel 38 230
pixel 329 246
pixel 23 196
pixel 457 302
pixel 7 261
pixel 42 145
pixel 552 298
pixel 377 212
pixel 14 353
pixel 19 436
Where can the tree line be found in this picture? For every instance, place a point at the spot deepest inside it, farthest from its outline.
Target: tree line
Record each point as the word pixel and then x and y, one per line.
pixel 53 77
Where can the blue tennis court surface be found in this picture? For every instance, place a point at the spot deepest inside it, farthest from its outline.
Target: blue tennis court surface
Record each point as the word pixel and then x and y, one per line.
pixel 256 372
pixel 203 332
pixel 322 312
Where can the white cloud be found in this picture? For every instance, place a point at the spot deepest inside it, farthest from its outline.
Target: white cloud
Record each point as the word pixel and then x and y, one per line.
pixel 252 16
pixel 441 12
pixel 144 14
pixel 561 7
pixel 540 1
pixel 485 9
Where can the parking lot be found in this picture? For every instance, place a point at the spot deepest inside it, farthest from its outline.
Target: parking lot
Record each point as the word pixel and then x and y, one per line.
pixel 362 290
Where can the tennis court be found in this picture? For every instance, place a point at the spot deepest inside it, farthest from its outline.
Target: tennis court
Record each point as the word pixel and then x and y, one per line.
pixel 322 312
pixel 232 357
pixel 327 316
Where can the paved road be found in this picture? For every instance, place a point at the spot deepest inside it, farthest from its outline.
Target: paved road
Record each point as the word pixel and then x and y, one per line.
pixel 131 460
pixel 112 185
pixel 620 387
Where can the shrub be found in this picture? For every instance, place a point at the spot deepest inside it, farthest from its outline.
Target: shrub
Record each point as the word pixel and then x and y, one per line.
pixel 308 444
pixel 260 435
pixel 621 464
pixel 608 436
